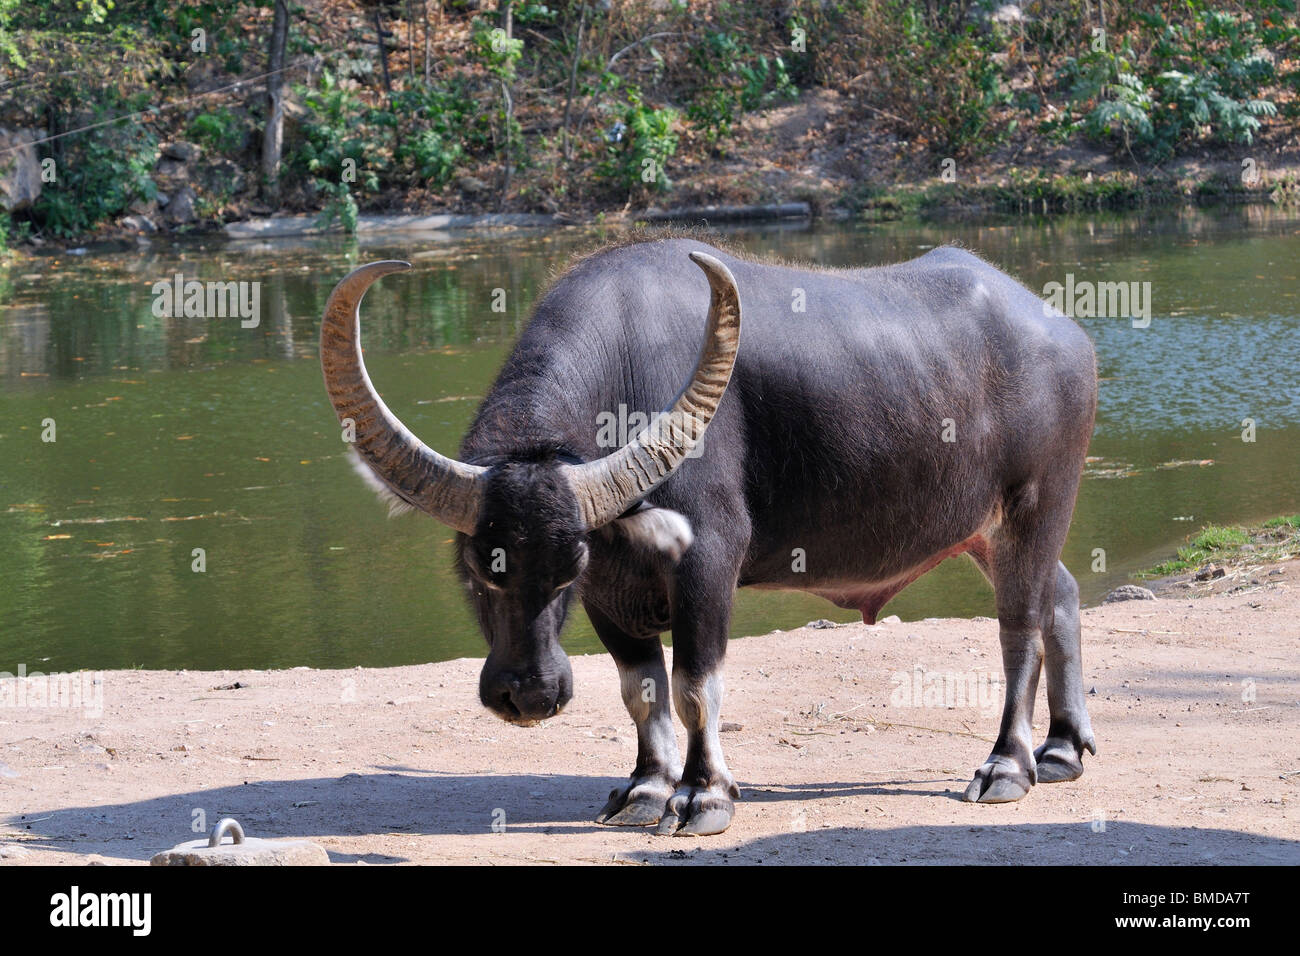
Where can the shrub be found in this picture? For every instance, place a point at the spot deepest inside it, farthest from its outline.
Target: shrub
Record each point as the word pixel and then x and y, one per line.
pixel 939 78
pixel 431 127
pixel 638 160
pixel 338 141
pixel 1200 80
pixel 103 170
pixel 218 131
pixel 734 81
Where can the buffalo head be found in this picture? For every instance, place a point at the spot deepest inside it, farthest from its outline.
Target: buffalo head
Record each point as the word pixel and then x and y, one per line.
pixel 523 521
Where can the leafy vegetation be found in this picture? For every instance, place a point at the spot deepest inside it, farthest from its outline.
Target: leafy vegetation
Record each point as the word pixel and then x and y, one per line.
pixel 529 105
pixel 1277 539
pixel 101 173
pixel 637 154
pixel 939 74
pixel 735 80
pixel 1198 80
pixel 219 131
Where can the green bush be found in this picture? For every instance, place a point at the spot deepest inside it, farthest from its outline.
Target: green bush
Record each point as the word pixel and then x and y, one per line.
pixel 340 207
pixel 734 81
pixel 218 131
pixel 499 55
pixel 102 171
pixel 431 127
pixel 9 52
pixel 940 79
pixel 638 161
pixel 1200 80
pixel 347 149
pixel 339 138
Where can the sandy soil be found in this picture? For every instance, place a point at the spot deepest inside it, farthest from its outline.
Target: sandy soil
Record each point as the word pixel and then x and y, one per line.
pixel 1195 701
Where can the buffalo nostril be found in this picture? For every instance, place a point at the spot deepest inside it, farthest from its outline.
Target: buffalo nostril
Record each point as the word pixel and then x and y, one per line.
pixel 508 705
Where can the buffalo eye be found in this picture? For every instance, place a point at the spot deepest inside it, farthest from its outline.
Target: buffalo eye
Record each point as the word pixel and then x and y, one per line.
pixel 579 566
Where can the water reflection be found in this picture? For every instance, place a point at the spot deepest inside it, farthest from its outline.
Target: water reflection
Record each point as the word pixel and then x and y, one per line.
pixel 176 434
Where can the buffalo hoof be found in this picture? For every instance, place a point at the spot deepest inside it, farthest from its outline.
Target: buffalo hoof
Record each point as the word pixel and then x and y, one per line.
pixel 640 803
pixel 1060 759
pixel 1000 780
pixel 699 811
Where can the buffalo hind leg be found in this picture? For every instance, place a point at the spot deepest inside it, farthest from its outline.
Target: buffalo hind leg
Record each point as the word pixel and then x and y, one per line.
pixel 1060 757
pixel 643 679
pixel 1022 567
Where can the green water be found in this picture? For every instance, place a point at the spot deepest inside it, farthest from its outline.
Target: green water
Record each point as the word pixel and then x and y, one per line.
pixel 181 434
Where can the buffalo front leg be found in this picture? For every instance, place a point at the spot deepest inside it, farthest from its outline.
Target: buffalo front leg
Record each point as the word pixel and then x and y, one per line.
pixel 1060 757
pixel 703 803
pixel 643 679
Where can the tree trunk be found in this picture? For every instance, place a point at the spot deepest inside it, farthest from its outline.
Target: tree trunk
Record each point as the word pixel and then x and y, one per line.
pixel 573 83
pixel 507 105
pixel 410 39
pixel 273 134
pixel 383 54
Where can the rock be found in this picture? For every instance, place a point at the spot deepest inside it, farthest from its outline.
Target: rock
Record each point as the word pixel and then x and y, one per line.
pixel 471 185
pixel 1008 14
pixel 242 851
pixel 892 619
pixel 171 169
pixel 249 853
pixel 185 152
pixel 181 208
pixel 223 178
pixel 1129 592
pixel 204 76
pixel 1209 574
pixel 137 224
pixel 20 170
pixel 820 624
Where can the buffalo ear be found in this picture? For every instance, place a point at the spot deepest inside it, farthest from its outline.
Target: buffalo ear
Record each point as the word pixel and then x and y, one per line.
pixel 656 529
pixel 396 505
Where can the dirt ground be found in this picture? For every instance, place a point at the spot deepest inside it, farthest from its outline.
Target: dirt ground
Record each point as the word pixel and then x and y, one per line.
pixel 842 739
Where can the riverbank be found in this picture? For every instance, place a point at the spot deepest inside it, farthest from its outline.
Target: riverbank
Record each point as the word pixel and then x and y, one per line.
pixel 1193 703
pixel 876 110
pixel 1221 559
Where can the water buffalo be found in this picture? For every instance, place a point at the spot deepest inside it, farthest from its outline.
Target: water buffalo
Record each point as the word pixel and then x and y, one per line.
pixel 869 423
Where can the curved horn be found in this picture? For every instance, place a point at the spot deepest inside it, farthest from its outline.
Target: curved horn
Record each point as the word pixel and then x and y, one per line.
pixel 445 488
pixel 609 486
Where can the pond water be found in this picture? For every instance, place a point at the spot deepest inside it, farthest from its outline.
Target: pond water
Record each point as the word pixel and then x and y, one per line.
pixel 175 434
